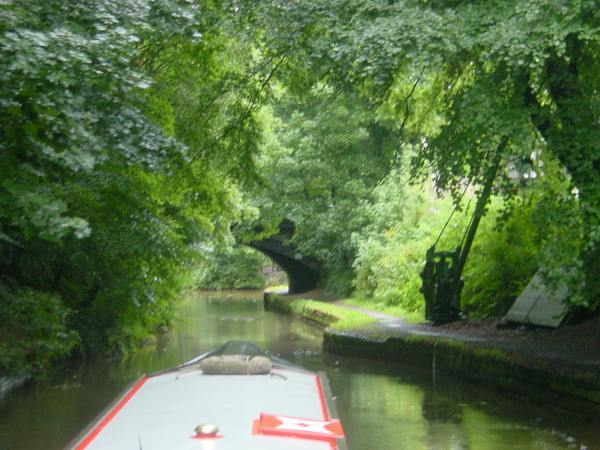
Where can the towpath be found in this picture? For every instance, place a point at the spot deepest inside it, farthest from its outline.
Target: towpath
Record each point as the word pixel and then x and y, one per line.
pixel 573 348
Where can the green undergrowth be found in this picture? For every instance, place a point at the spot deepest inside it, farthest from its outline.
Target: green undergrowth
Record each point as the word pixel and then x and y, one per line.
pixel 335 317
pixel 504 255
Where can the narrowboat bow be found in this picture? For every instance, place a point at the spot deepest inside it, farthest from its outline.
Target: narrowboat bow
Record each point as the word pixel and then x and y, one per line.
pixel 233 398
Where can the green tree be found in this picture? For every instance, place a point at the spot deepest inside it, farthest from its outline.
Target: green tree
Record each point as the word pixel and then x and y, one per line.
pixel 122 140
pixel 486 71
pixel 324 156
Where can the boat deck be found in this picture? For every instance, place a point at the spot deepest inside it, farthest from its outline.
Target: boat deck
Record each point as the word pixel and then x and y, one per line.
pixel 161 412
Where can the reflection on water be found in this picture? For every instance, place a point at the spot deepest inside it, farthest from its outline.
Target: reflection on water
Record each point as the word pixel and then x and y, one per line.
pixel 385 412
pixel 383 405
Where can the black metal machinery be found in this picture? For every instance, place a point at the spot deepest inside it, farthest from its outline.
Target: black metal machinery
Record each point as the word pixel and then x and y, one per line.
pixel 441 275
pixel 441 286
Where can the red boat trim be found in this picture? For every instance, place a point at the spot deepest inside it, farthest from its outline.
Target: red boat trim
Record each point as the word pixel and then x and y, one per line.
pixel 111 414
pixel 322 398
pixel 325 411
pixel 320 393
pixel 260 427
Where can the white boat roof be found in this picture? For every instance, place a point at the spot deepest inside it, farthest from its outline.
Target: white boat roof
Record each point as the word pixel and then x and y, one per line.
pixel 161 412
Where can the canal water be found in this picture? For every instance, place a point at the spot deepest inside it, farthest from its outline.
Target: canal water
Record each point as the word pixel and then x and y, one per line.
pixel 383 405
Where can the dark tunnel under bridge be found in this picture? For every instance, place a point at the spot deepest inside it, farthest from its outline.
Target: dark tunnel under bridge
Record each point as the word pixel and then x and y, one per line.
pixel 304 273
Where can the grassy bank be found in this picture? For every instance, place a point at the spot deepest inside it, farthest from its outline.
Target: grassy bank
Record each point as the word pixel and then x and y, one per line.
pixel 393 310
pixel 325 314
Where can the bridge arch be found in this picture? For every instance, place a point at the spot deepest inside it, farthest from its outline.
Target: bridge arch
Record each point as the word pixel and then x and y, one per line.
pixel 304 273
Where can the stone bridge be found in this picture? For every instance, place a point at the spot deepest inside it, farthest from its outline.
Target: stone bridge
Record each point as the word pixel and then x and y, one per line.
pixel 303 272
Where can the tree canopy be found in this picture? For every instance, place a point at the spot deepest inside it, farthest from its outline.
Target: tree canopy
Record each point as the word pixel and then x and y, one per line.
pixel 135 134
pixel 123 137
pixel 462 76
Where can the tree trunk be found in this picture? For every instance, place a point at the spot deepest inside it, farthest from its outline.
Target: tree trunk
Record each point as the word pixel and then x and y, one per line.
pixel 571 131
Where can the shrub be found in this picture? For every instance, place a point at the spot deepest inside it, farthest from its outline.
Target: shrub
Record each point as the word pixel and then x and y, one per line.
pixel 234 268
pixel 501 261
pixel 33 331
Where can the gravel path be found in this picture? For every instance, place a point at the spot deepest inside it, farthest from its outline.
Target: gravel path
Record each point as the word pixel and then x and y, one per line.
pixel 577 345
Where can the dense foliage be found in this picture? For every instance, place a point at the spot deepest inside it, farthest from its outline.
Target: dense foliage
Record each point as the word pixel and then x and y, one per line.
pixel 232 268
pixel 324 153
pixel 118 163
pixel 134 133
pixel 483 73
